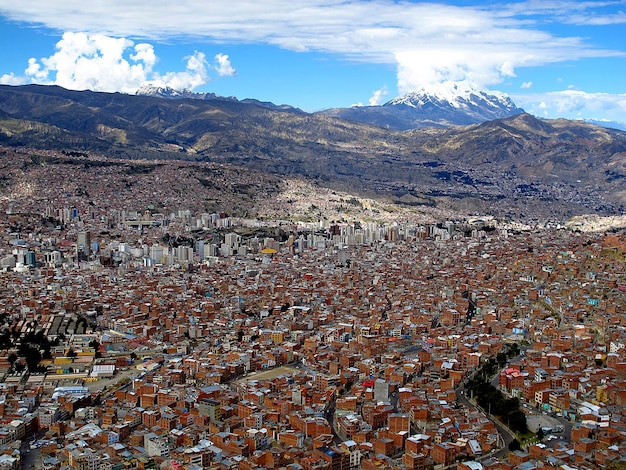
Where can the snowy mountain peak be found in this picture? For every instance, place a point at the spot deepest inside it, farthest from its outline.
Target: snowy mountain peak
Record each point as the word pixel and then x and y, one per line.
pixel 455 95
pixel 440 105
pixel 161 89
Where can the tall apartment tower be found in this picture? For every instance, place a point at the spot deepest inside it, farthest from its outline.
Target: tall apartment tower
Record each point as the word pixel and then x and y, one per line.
pixel 83 246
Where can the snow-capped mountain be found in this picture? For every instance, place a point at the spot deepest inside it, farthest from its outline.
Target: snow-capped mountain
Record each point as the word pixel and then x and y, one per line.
pixel 440 105
pixel 149 89
pixel 467 99
pixel 164 91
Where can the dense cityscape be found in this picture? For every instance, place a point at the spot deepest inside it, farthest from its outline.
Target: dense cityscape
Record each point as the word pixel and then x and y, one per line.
pixel 143 337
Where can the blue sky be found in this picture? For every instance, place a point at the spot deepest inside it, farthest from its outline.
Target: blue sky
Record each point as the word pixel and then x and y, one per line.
pixel 555 58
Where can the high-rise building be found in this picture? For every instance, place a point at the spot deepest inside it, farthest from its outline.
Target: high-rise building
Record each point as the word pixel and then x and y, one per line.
pixel 30 259
pixel 83 246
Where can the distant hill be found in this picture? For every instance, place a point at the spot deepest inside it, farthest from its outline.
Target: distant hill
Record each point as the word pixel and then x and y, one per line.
pixel 171 93
pixel 518 167
pixel 608 124
pixel 441 106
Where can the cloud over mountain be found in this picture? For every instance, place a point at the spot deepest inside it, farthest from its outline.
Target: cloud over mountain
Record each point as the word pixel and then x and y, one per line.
pixel 102 63
pixel 427 42
pixel 576 103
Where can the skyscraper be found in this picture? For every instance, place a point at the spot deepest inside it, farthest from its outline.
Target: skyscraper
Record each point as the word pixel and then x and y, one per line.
pixel 83 246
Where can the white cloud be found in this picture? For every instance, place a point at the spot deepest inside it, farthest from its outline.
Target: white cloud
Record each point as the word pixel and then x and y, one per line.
pixel 224 67
pixel 12 79
pixel 144 53
pixel 427 67
pixel 102 63
pixel 574 104
pixel 94 62
pixel 377 97
pixel 427 42
pixel 35 71
pixel 619 18
pixel 526 85
pixel 195 74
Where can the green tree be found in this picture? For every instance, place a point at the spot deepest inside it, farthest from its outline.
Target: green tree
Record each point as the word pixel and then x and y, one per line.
pixel 511 404
pixel 514 445
pixel 37 341
pixel 517 421
pixel 32 356
pixel 501 358
pixel 514 350
pixel 5 340
pixel 12 358
pixel 540 434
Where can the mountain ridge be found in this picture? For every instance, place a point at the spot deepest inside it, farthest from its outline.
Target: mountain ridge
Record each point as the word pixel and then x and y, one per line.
pixel 164 91
pixel 440 105
pixel 436 106
pixel 517 167
pixel 376 115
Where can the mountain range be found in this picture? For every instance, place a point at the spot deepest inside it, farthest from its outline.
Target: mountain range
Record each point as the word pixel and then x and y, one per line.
pixel 441 106
pixel 438 106
pixel 164 91
pixel 516 167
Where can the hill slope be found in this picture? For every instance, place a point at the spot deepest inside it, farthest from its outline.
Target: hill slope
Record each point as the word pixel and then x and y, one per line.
pixel 517 167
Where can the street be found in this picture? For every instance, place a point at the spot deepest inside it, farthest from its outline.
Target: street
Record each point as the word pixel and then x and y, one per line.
pixel 505 433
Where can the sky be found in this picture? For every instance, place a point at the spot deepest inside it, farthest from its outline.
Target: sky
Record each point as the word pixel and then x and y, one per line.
pixel 554 58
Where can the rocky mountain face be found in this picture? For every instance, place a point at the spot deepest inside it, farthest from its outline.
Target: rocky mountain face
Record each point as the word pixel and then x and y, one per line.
pixel 517 167
pixel 442 106
pixel 171 93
